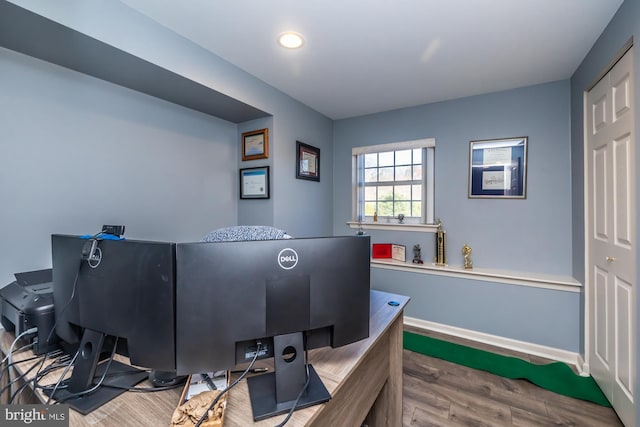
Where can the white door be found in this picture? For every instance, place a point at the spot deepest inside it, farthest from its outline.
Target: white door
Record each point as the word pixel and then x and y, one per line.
pixel 611 232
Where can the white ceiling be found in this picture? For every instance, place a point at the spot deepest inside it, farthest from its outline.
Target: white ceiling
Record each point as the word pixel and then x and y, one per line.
pixel 367 56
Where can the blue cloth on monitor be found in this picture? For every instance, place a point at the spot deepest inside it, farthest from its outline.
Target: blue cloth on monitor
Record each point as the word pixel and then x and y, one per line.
pixel 102 236
pixel 245 232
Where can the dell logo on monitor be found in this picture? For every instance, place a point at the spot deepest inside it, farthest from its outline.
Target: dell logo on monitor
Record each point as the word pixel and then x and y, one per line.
pixel 287 258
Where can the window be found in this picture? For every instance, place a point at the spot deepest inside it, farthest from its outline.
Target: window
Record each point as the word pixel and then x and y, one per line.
pixel 394 179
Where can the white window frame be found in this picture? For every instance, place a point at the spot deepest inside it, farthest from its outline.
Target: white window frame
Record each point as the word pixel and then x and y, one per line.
pixel 428 181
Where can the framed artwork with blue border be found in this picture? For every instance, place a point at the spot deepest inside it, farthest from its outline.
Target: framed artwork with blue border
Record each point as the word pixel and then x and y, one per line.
pixel 254 183
pixel 498 168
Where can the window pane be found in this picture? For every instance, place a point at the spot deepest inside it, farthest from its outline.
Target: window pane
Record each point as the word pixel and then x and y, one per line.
pixel 416 209
pixel 370 193
pixel 403 173
pixel 403 157
pixel 416 192
pixel 385 209
pixel 403 192
pixel 371 175
pixel 394 183
pixel 371 160
pixel 386 174
pixel 386 159
pixel 385 192
pixel 402 208
pixel 417 172
pixel 417 156
pixel 369 208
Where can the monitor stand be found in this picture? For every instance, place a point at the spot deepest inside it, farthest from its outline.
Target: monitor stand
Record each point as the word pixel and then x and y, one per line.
pixel 87 371
pixel 276 392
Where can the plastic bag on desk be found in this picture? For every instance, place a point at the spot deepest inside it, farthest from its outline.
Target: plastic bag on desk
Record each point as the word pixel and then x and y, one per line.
pixel 188 414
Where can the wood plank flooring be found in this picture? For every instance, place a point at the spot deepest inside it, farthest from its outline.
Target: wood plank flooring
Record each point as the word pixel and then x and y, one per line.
pixel 437 393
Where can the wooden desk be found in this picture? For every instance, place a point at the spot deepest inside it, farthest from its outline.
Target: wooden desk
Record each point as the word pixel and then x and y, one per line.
pixel 364 379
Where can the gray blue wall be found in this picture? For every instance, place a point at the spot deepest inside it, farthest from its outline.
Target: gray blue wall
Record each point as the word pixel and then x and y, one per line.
pixel 624 25
pixel 530 236
pixel 178 174
pixel 79 152
pixel 174 175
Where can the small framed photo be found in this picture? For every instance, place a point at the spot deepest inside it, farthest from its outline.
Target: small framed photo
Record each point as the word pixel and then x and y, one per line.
pixel 255 145
pixel 498 168
pixel 308 162
pixel 254 183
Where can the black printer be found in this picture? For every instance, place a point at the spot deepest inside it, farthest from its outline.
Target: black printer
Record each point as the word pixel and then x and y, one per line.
pixel 28 302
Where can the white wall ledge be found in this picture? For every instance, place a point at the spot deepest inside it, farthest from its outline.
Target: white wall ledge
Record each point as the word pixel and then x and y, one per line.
pixel 394 226
pixel 536 280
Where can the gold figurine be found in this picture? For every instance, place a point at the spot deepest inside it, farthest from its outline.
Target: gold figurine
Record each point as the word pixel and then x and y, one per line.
pixel 466 252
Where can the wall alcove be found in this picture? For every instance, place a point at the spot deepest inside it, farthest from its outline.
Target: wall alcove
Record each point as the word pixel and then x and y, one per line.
pixel 31 34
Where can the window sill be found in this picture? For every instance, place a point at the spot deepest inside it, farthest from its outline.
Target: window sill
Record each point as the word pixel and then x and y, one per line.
pixel 390 226
pixel 560 283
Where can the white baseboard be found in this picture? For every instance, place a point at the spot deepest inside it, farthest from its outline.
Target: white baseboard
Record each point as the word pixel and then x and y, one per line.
pixel 583 368
pixel 559 355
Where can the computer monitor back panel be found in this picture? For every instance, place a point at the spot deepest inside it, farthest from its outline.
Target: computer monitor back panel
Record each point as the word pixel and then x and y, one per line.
pixel 228 292
pixel 129 293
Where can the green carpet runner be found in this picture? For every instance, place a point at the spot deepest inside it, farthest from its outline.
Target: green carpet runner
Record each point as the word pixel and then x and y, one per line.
pixel 556 377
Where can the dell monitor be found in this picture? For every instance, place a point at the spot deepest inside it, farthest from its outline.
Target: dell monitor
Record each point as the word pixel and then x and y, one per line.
pixel 108 289
pixel 287 295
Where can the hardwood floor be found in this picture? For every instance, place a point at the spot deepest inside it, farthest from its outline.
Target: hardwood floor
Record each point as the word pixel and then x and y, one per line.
pixel 437 393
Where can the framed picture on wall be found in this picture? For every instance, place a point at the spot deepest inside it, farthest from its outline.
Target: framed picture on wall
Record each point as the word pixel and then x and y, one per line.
pixel 255 145
pixel 254 183
pixel 308 162
pixel 498 168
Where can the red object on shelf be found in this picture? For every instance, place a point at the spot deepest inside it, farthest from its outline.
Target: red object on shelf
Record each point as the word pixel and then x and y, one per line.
pixel 389 251
pixel 381 250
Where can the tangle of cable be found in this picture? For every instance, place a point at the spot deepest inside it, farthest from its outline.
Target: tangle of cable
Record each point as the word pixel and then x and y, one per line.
pixel 99 383
pixel 246 371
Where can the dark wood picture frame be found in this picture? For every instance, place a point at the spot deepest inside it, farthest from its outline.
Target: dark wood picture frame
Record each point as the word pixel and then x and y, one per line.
pixel 307 162
pixel 255 145
pixel 254 183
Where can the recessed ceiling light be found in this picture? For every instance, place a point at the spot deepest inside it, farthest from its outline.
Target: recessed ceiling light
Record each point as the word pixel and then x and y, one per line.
pixel 290 40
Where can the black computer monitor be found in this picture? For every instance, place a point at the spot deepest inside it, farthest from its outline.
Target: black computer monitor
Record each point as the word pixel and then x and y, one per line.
pixel 113 288
pixel 290 295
